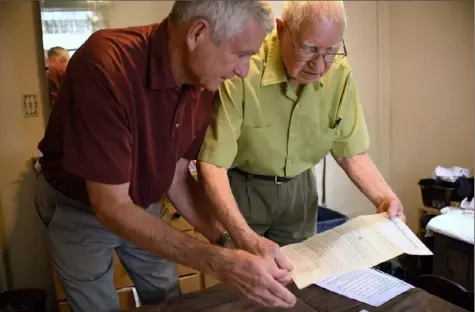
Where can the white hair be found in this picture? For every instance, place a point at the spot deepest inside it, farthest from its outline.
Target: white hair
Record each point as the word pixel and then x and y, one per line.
pixel 226 17
pixel 295 11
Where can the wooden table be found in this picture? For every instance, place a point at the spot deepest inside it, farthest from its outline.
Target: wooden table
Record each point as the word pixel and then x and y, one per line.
pixel 311 299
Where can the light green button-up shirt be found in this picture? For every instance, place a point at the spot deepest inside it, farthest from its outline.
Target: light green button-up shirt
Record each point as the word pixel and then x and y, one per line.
pixel 262 127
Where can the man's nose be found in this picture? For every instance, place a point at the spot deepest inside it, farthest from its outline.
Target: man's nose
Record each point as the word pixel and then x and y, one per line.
pixel 318 64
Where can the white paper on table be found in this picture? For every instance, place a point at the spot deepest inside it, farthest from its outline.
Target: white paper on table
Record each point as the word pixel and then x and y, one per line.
pixel 370 286
pixel 362 242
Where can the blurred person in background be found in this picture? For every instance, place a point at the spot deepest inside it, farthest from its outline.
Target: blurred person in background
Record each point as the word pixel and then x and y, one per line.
pixel 58 58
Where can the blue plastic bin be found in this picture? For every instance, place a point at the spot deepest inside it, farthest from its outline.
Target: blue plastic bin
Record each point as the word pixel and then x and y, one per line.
pixel 328 219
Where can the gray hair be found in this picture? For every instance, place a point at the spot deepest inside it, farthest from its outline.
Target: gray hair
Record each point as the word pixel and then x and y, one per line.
pixel 295 11
pixel 226 17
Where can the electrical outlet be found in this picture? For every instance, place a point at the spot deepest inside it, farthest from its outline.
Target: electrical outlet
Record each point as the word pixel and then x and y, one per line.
pixel 30 105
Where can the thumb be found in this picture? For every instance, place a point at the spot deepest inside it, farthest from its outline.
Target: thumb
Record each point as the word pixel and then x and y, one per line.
pixel 280 274
pixel 392 212
pixel 282 261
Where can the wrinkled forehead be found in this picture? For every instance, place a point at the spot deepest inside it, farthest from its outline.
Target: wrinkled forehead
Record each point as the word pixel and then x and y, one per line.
pixel 322 34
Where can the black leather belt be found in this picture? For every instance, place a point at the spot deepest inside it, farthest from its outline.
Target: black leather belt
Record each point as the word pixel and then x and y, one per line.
pixel 57 187
pixel 250 176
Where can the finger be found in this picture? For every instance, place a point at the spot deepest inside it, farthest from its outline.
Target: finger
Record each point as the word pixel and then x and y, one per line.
pixel 267 299
pixel 279 291
pixel 254 293
pixel 281 275
pixel 277 302
pixel 257 299
pixel 285 280
pixel 262 296
pixel 282 261
pixel 393 211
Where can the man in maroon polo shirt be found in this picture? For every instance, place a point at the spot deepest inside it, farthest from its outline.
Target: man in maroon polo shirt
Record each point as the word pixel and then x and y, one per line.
pixel 131 114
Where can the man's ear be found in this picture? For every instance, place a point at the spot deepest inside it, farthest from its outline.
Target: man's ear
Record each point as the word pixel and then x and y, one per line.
pixel 198 30
pixel 280 28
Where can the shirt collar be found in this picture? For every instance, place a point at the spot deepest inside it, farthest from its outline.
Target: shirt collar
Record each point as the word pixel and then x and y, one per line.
pixel 160 74
pixel 274 68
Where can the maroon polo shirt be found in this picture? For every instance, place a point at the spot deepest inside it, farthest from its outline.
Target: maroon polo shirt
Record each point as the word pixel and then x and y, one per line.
pixel 121 117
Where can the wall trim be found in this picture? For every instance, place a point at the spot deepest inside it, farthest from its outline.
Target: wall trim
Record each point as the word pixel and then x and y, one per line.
pixel 383 135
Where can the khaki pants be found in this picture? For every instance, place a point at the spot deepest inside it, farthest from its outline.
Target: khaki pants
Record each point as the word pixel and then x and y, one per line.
pixel 82 255
pixel 285 213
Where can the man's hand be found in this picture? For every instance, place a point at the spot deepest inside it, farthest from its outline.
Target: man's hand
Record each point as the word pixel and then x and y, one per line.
pixel 216 183
pixel 393 207
pixel 251 276
pixel 270 251
pixel 254 278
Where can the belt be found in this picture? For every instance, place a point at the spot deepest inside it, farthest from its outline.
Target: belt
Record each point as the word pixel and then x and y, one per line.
pixel 54 184
pixel 57 187
pixel 250 176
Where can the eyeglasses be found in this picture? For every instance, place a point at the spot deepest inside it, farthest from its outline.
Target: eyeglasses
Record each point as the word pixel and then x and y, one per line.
pixel 311 53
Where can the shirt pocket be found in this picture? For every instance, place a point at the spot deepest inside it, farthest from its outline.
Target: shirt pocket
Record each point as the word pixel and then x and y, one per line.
pixel 320 142
pixel 253 137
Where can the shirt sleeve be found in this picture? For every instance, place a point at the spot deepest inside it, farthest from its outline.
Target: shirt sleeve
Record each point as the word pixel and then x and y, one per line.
pixel 351 135
pixel 194 149
pixel 97 142
pixel 220 143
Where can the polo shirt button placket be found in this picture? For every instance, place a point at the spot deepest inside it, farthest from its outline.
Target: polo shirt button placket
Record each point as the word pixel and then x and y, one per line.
pixel 177 125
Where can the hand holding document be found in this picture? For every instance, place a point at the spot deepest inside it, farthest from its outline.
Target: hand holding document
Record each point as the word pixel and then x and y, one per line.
pixel 366 285
pixel 362 242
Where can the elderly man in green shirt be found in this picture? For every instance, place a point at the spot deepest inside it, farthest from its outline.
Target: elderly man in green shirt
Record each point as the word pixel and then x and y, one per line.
pixel 298 103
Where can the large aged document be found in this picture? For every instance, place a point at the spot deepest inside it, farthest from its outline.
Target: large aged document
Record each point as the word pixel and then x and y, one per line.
pixel 362 242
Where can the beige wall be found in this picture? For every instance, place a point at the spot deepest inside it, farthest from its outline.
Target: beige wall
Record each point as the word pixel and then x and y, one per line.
pixel 361 40
pixel 413 62
pixel 134 13
pixel 21 63
pixel 432 100
pixel 420 104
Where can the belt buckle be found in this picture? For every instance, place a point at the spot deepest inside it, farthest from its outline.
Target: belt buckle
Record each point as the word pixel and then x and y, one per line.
pixel 276 180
